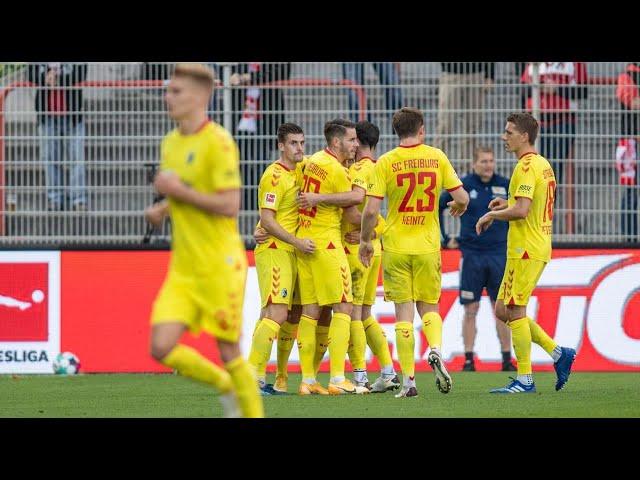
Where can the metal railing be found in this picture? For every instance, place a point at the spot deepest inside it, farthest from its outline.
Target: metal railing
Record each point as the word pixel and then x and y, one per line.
pixel 125 120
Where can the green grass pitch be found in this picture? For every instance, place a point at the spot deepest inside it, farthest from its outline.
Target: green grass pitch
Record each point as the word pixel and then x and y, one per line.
pixel 590 395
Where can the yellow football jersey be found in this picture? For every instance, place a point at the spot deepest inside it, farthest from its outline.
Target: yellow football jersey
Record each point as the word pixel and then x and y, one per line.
pixel 278 191
pixel 207 161
pixel 361 174
pixel 530 237
pixel 413 177
pixel 323 173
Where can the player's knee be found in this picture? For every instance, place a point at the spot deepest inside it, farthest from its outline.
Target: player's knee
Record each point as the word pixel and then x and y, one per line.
pixel 161 348
pixel 501 314
pixel 228 350
pixel 293 316
pixel 343 307
pixel 471 310
pixel 277 313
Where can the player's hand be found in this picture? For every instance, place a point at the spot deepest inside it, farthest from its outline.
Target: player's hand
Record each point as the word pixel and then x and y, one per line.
pixel 167 183
pixel 352 238
pixel 365 253
pixel 456 209
pixel 497 204
pixel 260 235
pixel 484 223
pixel 308 199
pixel 452 243
pixel 306 245
pixel 155 214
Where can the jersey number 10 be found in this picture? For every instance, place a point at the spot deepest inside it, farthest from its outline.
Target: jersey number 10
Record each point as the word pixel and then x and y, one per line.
pixel 309 183
pixel 421 178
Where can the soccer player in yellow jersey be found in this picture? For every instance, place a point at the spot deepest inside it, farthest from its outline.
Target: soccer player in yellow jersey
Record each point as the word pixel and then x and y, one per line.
pixel 364 281
pixel 412 177
pixel 204 286
pixel 324 276
pixel 529 210
pixel 276 262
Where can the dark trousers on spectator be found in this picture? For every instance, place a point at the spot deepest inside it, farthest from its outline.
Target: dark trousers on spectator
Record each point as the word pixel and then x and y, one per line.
pixel 388 75
pixel 629 207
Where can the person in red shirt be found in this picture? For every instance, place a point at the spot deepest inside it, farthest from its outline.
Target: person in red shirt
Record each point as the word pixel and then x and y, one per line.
pixel 59 108
pixel 562 84
pixel 628 94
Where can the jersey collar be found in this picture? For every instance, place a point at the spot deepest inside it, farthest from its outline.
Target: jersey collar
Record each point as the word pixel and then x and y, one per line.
pixel 284 166
pixel 331 153
pixel 527 153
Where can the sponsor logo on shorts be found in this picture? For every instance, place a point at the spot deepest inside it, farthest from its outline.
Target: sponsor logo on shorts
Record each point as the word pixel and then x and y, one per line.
pixel 466 294
pixel 284 293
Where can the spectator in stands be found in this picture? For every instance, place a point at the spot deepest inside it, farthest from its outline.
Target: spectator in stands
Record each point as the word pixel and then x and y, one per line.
pixel 519 68
pixel 483 256
pixel 155 71
pixel 628 94
pixel 389 76
pixel 561 84
pixel 62 129
pixel 463 86
pixel 258 111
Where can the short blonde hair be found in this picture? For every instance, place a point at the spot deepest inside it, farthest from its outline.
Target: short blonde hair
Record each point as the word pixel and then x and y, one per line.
pixel 196 71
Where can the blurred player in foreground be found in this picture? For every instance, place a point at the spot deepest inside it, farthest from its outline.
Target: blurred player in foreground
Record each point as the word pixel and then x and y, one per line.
pixel 204 286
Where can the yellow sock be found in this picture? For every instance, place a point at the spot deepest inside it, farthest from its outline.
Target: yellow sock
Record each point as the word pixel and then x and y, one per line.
pixel 322 343
pixel 286 338
pixel 357 345
pixel 521 338
pixel 339 332
pixel 432 328
pixel 246 387
pixel 261 345
pixel 307 345
pixel 255 328
pixel 189 363
pixel 539 336
pixel 377 341
pixel 405 343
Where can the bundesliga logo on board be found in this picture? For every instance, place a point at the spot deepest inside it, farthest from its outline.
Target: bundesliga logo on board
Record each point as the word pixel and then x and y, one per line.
pixel 29 311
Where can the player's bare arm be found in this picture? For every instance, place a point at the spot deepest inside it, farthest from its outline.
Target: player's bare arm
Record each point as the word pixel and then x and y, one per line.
pixel 353 237
pixel 460 202
pixel 156 213
pixel 226 203
pixel 369 221
pixel 270 224
pixel 516 212
pixel 352 215
pixel 498 204
pixel 342 199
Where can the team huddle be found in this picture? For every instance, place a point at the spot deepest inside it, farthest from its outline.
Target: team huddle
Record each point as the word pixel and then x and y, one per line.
pixel 321 245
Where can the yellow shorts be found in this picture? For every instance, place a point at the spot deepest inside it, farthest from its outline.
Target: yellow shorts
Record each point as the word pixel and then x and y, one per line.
pixel 212 303
pixel 372 281
pixel 324 277
pixel 277 271
pixel 411 278
pixel 520 278
pixel 359 277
